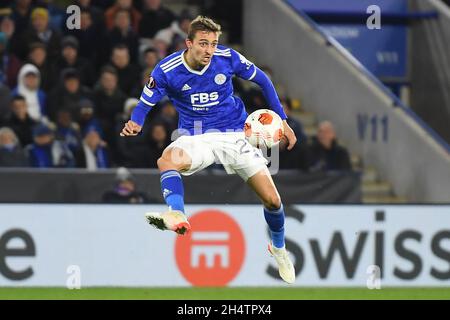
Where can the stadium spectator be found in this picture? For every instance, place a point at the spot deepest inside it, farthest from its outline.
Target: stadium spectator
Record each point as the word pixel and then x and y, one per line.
pixel 127 147
pixel 40 31
pixel 11 153
pixel 57 14
pixel 67 130
pixel 46 152
pixel 325 152
pixel 149 59
pixel 154 18
pixel 20 121
pixel 297 157
pixel 38 57
pixel 122 33
pixel 169 116
pixel 68 95
pixel 9 63
pixel 124 190
pixel 87 119
pixel 88 34
pixel 94 153
pixel 21 11
pixel 70 59
pixel 128 74
pixel 97 15
pixel 123 5
pixel 28 86
pixel 109 100
pixel 159 139
pixel 5 98
pixel 176 32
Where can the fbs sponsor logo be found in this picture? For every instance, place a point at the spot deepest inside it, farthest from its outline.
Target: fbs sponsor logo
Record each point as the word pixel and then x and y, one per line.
pixel 212 254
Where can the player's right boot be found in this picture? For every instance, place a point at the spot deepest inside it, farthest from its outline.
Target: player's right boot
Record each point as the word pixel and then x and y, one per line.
pixel 285 266
pixel 171 220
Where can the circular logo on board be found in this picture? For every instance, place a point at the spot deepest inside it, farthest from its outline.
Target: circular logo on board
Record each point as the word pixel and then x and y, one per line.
pixel 213 252
pixel 220 78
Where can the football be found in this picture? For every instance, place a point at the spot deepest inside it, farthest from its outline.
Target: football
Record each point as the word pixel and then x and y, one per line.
pixel 263 127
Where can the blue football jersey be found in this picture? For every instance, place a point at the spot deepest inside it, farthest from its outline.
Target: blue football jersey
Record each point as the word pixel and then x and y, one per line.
pixel 203 98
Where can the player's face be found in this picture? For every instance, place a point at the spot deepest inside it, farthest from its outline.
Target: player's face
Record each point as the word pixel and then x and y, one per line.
pixel 202 47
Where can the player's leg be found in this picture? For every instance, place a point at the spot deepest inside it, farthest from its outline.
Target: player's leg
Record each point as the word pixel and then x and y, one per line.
pixel 264 187
pixel 170 164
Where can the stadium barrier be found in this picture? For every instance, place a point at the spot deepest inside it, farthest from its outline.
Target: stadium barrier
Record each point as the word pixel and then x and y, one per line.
pixel 371 121
pixel 208 186
pixel 112 245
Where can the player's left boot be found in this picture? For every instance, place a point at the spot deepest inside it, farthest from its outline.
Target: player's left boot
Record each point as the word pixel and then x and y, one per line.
pixel 285 266
pixel 171 220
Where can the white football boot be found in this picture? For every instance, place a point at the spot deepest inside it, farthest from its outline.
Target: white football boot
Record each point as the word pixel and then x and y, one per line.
pixel 171 220
pixel 285 266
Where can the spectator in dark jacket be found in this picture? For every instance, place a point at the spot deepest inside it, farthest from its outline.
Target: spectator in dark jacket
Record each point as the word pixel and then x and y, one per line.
pixel 40 31
pixel 20 121
pixel 70 59
pixel 122 33
pixel 46 152
pixel 154 18
pixel 128 73
pixel 68 95
pixel 38 57
pixel 326 154
pixel 11 153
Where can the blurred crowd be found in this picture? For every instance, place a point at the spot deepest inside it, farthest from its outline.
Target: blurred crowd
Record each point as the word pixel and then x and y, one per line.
pixel 65 94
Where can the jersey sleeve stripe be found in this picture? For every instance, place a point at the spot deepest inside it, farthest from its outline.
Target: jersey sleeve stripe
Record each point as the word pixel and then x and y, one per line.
pixel 168 62
pixel 173 67
pixel 146 102
pixel 254 73
pixel 171 64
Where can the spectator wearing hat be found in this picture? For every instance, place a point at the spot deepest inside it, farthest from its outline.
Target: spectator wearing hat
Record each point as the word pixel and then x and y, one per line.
pixel 56 13
pixel 46 152
pixel 28 86
pixel 94 153
pixel 87 119
pixel 135 15
pixel 9 63
pixel 69 94
pixel 122 33
pixel 124 190
pixel 70 59
pixel 154 18
pixel 11 152
pixel 38 57
pixel 40 31
pixel 19 120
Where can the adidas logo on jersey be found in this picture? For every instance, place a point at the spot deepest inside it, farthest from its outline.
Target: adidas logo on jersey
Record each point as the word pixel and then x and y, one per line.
pixel 186 87
pixel 166 192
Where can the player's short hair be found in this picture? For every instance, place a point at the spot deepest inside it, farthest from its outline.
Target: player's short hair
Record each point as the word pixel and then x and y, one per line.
pixel 202 23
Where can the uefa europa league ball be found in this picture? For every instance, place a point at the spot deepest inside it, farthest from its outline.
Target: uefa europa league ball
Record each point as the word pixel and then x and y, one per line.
pixel 263 127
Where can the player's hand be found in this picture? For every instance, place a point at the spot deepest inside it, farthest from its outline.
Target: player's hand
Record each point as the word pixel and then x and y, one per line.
pixel 130 129
pixel 290 135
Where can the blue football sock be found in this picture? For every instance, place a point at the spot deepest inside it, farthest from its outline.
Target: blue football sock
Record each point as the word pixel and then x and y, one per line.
pixel 275 220
pixel 172 189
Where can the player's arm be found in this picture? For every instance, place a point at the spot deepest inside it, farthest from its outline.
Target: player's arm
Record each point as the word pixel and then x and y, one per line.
pixel 152 92
pixel 271 96
pixel 248 71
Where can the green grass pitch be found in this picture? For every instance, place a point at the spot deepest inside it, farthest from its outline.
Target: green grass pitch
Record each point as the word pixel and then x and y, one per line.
pixel 244 293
